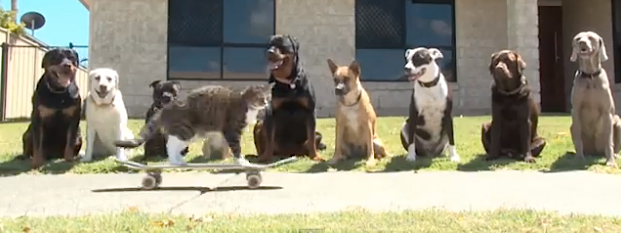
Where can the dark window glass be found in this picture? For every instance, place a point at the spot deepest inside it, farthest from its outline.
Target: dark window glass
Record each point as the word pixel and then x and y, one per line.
pixel 385 29
pixel 379 24
pixel 381 64
pixel 244 63
pixel 429 25
pixel 195 22
pixel 216 39
pixel 248 21
pixel 194 62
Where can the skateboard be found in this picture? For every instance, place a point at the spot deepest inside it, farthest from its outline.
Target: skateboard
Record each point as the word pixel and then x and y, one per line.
pixel 153 179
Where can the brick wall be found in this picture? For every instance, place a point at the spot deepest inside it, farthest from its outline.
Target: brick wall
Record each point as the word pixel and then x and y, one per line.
pixel 130 36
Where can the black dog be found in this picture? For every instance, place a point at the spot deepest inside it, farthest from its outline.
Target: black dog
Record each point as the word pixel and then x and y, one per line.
pixel 513 130
pixel 288 127
pixel 163 93
pixel 54 129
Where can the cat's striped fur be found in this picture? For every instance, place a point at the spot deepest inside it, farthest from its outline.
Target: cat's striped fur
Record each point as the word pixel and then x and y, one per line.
pixel 206 109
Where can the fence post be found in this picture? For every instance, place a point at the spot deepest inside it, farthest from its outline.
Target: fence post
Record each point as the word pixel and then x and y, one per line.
pixel 4 66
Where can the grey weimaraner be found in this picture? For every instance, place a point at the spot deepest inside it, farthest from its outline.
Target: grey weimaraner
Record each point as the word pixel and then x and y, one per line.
pixel 595 127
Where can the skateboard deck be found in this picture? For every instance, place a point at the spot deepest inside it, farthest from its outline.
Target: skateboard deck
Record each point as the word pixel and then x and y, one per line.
pixel 214 166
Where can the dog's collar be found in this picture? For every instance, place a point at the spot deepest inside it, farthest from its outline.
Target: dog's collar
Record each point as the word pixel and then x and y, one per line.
pixel 354 103
pixel 49 87
pixel 431 83
pixel 589 76
pixel 290 82
pixel 511 92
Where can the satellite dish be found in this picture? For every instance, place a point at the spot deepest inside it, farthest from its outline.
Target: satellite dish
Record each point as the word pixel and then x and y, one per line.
pixel 33 21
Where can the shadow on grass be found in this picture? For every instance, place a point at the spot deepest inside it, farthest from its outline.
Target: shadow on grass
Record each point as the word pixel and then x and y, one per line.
pixel 343 165
pixel 480 164
pixel 202 190
pixel 399 163
pixel 19 164
pixel 569 162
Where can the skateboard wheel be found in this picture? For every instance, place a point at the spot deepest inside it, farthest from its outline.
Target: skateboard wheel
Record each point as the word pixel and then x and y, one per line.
pixel 149 182
pixel 254 180
pixel 157 176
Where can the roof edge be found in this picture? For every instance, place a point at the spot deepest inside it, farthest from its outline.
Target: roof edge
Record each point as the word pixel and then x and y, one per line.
pixel 85 3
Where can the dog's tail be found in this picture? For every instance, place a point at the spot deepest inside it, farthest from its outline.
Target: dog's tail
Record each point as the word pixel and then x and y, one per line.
pixel 146 132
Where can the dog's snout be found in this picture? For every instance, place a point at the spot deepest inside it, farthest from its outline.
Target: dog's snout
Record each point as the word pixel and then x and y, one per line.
pixel 407 70
pixel 103 87
pixel 271 50
pixel 339 89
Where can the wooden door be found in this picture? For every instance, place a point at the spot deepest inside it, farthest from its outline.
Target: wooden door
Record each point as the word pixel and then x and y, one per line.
pixel 551 74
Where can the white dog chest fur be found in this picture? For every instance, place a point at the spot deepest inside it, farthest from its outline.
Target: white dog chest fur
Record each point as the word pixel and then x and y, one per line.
pixel 431 105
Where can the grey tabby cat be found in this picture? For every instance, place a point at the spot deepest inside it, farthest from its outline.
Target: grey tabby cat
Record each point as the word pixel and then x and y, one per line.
pixel 206 109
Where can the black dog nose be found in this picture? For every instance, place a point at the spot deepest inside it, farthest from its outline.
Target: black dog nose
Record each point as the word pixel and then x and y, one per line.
pixel 102 87
pixel 271 50
pixel 67 65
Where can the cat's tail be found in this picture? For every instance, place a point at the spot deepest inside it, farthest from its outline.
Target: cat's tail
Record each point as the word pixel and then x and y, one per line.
pixel 146 132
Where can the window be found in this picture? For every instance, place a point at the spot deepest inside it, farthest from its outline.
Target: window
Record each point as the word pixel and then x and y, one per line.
pixel 218 39
pixel 385 29
pixel 616 24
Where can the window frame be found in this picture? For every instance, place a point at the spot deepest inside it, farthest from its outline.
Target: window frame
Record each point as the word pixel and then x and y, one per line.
pixel 220 46
pixel 403 21
pixel 616 36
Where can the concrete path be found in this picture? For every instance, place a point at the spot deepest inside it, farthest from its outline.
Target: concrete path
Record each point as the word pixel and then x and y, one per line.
pixel 568 192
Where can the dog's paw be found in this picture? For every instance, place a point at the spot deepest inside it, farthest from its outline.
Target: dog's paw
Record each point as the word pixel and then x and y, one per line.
pixel 455 158
pixel 371 163
pixel 529 159
pixel 611 163
pixel 85 159
pixel 411 157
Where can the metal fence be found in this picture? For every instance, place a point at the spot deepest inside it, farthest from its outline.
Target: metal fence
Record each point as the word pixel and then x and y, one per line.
pixel 20 70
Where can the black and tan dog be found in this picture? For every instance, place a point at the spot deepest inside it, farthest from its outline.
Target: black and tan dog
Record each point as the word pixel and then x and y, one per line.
pixel 54 129
pixel 513 130
pixel 356 134
pixel 163 93
pixel 288 127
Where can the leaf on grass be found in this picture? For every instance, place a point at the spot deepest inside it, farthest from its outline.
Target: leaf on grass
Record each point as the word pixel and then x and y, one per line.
pixel 598 229
pixel 132 209
pixel 562 133
pixel 200 219
pixel 331 169
pixel 165 223
pixel 26 229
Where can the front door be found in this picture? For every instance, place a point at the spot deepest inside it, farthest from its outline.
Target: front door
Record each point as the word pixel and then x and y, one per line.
pixel 551 77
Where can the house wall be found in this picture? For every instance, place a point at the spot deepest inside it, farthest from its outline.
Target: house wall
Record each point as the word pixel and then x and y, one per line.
pixel 130 36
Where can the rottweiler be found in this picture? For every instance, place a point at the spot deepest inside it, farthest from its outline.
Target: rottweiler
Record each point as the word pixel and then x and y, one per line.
pixel 164 92
pixel 288 127
pixel 54 129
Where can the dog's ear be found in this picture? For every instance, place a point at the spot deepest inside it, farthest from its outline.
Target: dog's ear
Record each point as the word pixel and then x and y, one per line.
pixel 355 67
pixel 77 57
pixel 294 43
pixel 155 84
pixel 602 50
pixel 435 53
pixel 332 66
pixel 492 62
pixel 574 51
pixel 176 85
pixel 47 59
pixel 116 77
pixel 408 53
pixel 519 62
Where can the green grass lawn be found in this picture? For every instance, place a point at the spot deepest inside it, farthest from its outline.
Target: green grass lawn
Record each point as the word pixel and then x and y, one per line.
pixel 555 156
pixel 346 221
